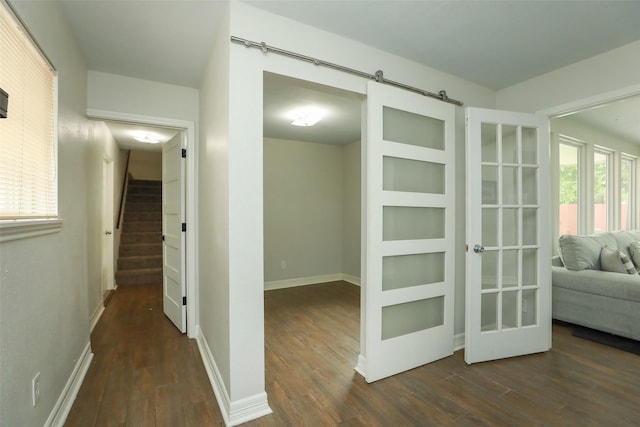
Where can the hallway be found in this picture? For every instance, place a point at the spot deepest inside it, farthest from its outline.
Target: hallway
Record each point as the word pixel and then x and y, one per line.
pixel 144 371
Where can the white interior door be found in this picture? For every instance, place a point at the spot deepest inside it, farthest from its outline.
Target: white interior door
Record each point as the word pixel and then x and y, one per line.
pixel 107 225
pixel 173 254
pixel 408 268
pixel 508 279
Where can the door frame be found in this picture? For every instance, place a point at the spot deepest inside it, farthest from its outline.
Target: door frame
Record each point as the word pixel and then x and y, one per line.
pixel 108 259
pixel 189 128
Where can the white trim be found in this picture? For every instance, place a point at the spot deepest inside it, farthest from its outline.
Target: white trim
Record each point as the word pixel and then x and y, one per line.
pixel 233 413
pixel 95 317
pixel 248 409
pixel 193 299
pixel 311 280
pixel 25 228
pixel 592 101
pixel 458 341
pixel 361 367
pixel 60 411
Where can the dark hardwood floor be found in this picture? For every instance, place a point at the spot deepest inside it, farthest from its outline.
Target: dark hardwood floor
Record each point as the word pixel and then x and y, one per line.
pixel 145 373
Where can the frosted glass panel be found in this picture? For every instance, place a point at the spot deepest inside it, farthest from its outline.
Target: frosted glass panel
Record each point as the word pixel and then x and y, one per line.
pixel 529 267
pixel 529 226
pixel 509 144
pixel 489 227
pixel 490 270
pixel 509 268
pixel 489 185
pixel 489 143
pixel 510 227
pixel 413 129
pixel 529 146
pixel 412 176
pixel 529 307
pixel 402 319
pixel 404 271
pixel 529 186
pixel 409 223
pixel 510 309
pixel 510 185
pixel 489 312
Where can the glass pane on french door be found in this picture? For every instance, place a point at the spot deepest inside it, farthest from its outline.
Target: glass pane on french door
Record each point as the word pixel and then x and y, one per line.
pixel 509 169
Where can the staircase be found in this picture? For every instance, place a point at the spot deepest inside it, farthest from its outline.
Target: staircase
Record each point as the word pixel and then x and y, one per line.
pixel 140 260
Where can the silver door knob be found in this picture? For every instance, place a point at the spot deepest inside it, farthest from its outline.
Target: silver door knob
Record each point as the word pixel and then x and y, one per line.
pixel 478 249
pixel 107 232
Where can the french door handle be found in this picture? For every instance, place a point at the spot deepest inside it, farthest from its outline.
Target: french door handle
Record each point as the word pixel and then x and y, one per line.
pixel 107 232
pixel 478 249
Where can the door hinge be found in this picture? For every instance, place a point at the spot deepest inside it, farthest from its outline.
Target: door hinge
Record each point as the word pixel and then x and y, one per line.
pixel 184 153
pixel 184 300
pixel 184 226
pixel 162 238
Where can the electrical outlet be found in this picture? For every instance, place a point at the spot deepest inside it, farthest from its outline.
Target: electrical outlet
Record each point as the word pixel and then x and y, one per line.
pixel 283 265
pixel 35 389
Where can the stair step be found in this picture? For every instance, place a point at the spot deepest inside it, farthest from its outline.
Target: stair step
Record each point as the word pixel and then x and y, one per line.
pixel 145 183
pixel 142 216
pixel 142 226
pixel 143 198
pixel 139 249
pixel 140 276
pixel 138 206
pixel 144 189
pixel 139 261
pixel 141 237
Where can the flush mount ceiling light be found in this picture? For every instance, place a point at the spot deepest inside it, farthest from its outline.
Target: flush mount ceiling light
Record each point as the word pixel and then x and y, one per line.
pixel 146 137
pixel 307 116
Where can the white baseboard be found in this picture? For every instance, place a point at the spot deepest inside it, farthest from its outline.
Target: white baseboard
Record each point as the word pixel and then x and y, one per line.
pixel 361 366
pixel 60 411
pixel 310 280
pixel 97 314
pixel 237 412
pixel 458 342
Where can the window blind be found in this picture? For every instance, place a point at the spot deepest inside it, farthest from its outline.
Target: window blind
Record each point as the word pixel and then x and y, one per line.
pixel 28 164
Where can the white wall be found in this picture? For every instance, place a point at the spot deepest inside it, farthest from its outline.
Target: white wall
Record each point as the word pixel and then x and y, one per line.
pixel 352 220
pixel 146 165
pixel 304 209
pixel 44 316
pixel 102 146
pixel 213 210
pixel 115 93
pixel 245 153
pixel 612 71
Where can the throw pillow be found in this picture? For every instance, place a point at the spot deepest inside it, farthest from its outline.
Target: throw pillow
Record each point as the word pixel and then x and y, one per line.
pixel 634 250
pixel 616 261
pixel 583 252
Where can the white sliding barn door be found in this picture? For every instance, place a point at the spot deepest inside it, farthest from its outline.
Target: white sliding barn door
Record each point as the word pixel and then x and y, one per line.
pixel 408 269
pixel 508 281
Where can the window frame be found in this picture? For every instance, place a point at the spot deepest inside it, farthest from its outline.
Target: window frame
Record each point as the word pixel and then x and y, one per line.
pixel 633 188
pixel 31 226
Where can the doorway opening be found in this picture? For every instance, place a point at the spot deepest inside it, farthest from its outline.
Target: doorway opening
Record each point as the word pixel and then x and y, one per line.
pixel 152 195
pixel 312 226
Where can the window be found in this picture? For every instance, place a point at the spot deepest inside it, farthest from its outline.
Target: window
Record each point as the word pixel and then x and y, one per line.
pixel 28 178
pixel 601 189
pixel 569 193
pixel 628 193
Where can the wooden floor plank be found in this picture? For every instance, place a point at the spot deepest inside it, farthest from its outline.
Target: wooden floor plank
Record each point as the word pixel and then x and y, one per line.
pixel 145 373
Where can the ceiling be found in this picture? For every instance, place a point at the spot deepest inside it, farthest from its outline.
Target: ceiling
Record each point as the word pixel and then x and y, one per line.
pixel 492 43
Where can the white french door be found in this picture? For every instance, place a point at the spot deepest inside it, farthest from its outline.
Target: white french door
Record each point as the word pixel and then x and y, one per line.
pixel 508 280
pixel 173 238
pixel 408 264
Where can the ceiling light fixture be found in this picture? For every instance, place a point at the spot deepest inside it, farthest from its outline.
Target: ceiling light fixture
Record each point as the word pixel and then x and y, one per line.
pixel 307 116
pixel 147 137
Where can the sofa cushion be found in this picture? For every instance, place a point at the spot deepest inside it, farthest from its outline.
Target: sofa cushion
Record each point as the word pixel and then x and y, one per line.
pixel 616 261
pixel 583 252
pixel 625 238
pixel 604 283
